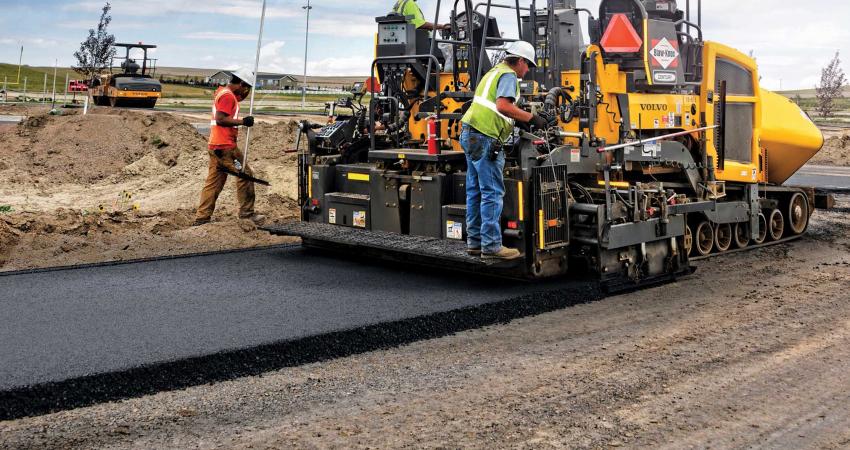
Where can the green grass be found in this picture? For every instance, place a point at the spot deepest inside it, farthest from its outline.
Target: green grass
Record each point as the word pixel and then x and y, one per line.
pixel 264 109
pixel 184 91
pixel 34 77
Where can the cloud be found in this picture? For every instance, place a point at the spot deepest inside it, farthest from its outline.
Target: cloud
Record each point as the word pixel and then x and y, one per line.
pixel 34 42
pixel 352 26
pixel 89 24
pixel 232 8
pixel 273 59
pixel 216 36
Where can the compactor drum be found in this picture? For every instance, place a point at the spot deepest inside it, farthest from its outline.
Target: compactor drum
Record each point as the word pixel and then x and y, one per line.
pixel 662 146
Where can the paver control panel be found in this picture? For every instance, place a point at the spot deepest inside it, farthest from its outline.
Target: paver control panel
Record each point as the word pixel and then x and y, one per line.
pixel 392 33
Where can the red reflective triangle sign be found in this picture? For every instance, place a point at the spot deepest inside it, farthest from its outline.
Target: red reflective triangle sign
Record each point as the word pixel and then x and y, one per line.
pixel 621 37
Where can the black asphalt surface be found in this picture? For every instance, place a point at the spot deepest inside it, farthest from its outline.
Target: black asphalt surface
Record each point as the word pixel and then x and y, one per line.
pixel 65 324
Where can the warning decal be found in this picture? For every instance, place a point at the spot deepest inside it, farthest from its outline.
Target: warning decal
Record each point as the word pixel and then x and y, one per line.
pixel 664 53
pixel 359 219
pixel 454 230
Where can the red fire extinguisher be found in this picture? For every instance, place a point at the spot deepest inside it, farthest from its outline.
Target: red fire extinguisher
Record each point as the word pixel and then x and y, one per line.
pixel 433 147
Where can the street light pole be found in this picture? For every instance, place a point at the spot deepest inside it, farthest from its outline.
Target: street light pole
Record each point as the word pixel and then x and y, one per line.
pixel 55 67
pixel 306 41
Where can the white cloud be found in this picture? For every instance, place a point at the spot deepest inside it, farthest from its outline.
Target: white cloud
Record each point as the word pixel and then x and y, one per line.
pixel 353 26
pixel 274 59
pixel 216 36
pixel 89 24
pixel 232 8
pixel 34 42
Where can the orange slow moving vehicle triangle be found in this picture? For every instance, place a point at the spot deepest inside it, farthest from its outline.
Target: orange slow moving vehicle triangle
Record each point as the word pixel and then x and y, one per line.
pixel 621 37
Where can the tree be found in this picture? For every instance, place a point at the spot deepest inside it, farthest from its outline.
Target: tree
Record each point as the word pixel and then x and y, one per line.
pixel 832 81
pixel 96 52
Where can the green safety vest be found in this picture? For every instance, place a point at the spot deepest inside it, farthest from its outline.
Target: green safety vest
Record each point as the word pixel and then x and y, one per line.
pixel 410 8
pixel 483 114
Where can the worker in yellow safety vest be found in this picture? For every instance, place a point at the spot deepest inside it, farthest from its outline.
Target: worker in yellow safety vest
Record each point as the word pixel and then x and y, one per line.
pixel 411 10
pixel 487 124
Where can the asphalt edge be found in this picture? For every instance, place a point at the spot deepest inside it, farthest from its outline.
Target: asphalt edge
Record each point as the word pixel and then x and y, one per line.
pixel 147 260
pixel 224 366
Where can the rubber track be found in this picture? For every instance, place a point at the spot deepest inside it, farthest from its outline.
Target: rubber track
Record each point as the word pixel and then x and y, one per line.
pixel 766 244
pixel 749 247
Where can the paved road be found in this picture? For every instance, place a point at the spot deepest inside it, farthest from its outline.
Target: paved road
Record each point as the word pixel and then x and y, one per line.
pixel 827 177
pixel 14 120
pixel 65 324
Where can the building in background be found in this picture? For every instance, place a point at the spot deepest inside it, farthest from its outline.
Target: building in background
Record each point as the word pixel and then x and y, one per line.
pixel 265 81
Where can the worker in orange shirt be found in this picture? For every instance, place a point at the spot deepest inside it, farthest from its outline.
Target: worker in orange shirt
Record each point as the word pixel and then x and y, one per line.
pixel 224 154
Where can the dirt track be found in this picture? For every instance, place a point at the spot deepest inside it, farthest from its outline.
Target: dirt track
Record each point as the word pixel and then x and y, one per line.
pixel 754 350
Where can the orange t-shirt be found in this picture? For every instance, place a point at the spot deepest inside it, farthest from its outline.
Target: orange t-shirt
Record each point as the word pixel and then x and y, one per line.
pixel 227 103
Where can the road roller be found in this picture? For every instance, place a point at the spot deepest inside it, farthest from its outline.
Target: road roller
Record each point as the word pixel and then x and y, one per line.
pixel 131 84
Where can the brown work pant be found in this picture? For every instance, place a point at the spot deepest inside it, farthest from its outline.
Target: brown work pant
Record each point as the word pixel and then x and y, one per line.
pixel 215 183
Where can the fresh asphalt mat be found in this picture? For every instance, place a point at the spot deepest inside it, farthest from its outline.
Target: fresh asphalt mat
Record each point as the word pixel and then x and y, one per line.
pixel 79 336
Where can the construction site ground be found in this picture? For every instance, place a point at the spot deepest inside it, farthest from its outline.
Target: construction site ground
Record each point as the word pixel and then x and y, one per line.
pixel 752 350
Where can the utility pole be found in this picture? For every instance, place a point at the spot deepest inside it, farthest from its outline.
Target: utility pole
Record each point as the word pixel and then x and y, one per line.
pixel 254 91
pixel 65 98
pixel 44 91
pixel 5 92
pixel 55 66
pixel 20 61
pixel 25 88
pixel 306 41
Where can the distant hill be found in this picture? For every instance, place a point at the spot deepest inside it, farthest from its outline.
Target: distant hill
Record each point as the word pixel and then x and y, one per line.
pixel 35 77
pixel 336 81
pixel 808 93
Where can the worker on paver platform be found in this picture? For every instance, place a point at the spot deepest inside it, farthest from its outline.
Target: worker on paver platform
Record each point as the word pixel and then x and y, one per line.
pixel 225 156
pixel 411 10
pixel 487 124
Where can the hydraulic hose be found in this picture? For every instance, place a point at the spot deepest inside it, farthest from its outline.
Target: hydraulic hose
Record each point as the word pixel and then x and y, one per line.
pixel 553 101
pixel 401 123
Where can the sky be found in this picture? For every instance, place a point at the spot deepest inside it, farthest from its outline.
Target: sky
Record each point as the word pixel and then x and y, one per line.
pixel 791 40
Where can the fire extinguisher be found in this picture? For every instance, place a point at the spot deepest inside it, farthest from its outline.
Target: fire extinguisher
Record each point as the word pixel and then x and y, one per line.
pixel 433 146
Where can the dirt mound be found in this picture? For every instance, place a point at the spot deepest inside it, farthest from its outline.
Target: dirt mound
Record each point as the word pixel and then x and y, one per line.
pixel 835 152
pixel 115 185
pixel 270 140
pixel 69 237
pixel 83 149
pixel 24 109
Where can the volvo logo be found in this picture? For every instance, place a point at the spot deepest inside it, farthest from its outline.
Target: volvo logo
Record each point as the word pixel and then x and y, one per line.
pixel 653 107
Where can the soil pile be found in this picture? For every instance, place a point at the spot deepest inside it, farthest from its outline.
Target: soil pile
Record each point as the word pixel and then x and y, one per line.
pixel 117 185
pixel 835 152
pixel 84 149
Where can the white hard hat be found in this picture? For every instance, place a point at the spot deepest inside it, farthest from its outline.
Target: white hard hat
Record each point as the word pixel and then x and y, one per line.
pixel 523 50
pixel 245 75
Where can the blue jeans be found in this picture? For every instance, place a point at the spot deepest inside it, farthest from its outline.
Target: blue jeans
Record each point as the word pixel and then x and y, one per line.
pixel 485 191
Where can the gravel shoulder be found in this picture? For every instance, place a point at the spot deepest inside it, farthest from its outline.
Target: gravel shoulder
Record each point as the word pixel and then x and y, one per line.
pixel 752 351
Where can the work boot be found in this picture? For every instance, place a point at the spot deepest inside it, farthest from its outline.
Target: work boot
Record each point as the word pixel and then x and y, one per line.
pixel 504 253
pixel 473 251
pixel 199 222
pixel 258 219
